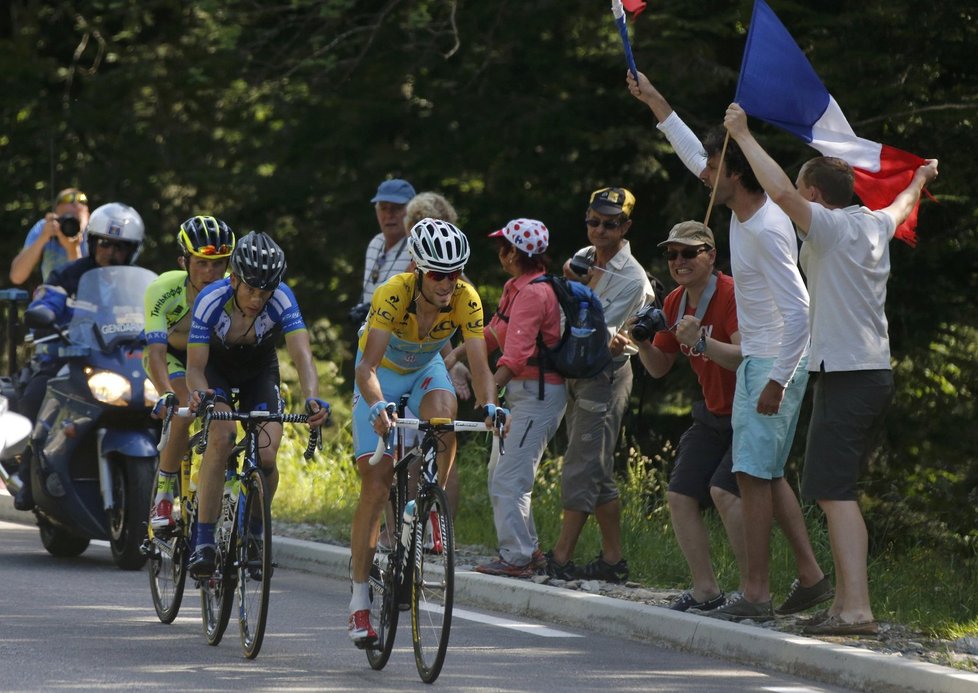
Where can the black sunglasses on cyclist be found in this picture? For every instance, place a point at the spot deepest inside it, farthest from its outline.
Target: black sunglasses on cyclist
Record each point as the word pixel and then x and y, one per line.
pixel 439 276
pixel 610 224
pixel 687 253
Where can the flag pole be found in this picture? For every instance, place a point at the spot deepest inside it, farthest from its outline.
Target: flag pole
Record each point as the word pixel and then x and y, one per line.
pixel 713 192
pixel 618 10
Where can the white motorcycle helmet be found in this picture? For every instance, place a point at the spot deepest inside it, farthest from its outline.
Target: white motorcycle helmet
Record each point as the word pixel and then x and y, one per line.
pixel 118 222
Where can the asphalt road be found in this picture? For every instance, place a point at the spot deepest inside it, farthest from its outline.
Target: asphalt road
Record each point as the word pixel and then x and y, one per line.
pixel 82 624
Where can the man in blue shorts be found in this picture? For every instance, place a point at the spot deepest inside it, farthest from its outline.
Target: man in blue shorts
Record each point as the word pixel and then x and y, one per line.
pixel 846 256
pixel 407 333
pixel 232 344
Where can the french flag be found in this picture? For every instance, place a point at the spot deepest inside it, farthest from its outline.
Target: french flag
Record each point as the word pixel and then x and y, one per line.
pixel 778 85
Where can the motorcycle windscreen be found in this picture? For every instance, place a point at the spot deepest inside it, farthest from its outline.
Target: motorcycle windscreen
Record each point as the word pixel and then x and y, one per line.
pixel 109 306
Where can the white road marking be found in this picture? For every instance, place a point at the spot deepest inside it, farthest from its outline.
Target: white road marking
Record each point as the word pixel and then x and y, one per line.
pixel 531 628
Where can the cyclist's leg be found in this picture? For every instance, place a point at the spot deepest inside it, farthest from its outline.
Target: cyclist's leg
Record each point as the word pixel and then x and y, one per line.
pixel 261 393
pixel 432 396
pixel 172 454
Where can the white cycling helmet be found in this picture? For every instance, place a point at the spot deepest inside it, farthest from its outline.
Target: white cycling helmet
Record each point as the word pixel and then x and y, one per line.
pixel 438 246
pixel 118 222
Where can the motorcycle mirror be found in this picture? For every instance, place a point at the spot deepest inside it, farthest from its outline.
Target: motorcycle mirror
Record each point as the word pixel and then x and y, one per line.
pixel 39 317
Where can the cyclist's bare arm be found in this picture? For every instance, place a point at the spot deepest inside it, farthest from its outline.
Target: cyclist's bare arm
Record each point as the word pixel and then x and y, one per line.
pixel 478 360
pixel 366 374
pixel 300 351
pixel 197 355
pixel 158 373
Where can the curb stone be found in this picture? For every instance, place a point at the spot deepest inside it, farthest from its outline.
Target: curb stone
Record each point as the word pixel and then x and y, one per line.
pixel 792 654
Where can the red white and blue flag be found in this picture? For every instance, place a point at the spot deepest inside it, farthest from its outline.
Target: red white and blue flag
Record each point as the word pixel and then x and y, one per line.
pixel 778 85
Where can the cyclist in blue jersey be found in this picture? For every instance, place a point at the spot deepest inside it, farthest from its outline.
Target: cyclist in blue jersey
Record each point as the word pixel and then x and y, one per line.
pixel 232 344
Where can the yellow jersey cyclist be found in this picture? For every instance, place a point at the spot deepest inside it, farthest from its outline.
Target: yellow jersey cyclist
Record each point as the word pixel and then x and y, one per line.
pixel 205 249
pixel 407 332
pixel 233 332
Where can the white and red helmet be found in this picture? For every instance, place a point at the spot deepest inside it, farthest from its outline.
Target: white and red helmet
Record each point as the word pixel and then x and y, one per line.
pixel 529 235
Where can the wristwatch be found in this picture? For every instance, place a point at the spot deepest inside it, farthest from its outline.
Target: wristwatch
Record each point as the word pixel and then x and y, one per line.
pixel 699 348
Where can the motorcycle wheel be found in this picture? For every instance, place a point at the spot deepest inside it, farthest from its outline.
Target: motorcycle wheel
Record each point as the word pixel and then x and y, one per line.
pixel 132 481
pixel 60 543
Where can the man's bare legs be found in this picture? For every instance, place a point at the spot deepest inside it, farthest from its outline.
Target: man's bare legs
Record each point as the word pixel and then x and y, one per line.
pixel 850 544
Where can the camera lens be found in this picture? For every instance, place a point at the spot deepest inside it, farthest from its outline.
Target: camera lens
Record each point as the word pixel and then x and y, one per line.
pixel 70 226
pixel 579 265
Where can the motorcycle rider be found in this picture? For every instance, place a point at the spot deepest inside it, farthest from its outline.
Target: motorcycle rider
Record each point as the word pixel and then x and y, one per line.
pixel 115 232
pixel 205 249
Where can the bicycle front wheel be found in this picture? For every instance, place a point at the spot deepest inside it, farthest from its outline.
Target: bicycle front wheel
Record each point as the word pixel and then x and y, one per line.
pixel 217 591
pixel 254 551
pixel 433 584
pixel 167 574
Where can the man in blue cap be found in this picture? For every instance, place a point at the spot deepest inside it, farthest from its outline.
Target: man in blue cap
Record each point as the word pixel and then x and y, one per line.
pixel 387 252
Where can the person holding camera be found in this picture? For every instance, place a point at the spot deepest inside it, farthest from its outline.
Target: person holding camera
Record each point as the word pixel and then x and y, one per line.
pixel 55 240
pixel 699 320
pixel 387 251
pixel 595 406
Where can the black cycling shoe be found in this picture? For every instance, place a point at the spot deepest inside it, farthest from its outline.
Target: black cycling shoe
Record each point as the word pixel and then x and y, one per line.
pixel 202 562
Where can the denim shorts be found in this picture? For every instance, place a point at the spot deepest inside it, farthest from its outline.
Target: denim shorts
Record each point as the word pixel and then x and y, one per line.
pixel 761 443
pixel 432 376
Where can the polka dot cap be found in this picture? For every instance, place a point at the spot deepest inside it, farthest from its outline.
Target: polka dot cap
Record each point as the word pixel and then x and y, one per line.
pixel 529 235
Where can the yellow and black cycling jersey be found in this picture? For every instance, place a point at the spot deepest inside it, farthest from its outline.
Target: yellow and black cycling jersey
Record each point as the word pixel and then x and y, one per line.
pixel 393 309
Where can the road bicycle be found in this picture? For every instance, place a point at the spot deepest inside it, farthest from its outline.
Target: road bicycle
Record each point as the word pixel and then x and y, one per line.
pixel 419 570
pixel 243 535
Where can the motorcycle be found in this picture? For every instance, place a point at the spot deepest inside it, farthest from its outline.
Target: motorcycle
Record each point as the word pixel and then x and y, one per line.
pixel 94 441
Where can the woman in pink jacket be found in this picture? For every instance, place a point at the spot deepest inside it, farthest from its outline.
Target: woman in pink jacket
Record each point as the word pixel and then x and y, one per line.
pixel 526 309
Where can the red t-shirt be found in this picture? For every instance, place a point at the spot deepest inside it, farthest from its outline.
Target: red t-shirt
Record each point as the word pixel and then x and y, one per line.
pixel 720 322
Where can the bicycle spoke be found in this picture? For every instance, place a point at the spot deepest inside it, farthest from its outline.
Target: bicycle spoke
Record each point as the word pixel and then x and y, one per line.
pixel 254 552
pixel 167 575
pixel 433 584
pixel 217 592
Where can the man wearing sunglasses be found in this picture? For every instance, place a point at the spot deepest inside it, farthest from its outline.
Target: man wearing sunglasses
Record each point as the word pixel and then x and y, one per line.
pixel 55 240
pixel 205 246
pixel 595 406
pixel 401 350
pixel 772 313
pixel 117 233
pixel 702 317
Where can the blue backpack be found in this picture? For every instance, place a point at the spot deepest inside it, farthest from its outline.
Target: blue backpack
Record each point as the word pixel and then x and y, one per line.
pixel 582 351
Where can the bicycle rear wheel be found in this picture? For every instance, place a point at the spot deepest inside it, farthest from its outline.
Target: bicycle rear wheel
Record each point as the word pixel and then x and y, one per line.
pixel 383 609
pixel 217 591
pixel 433 586
pixel 254 560
pixel 167 574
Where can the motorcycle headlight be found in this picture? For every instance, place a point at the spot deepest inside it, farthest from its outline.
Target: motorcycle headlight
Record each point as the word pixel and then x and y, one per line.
pixel 150 395
pixel 110 388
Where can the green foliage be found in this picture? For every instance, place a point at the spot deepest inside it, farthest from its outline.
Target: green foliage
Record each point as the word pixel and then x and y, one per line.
pixel 285 116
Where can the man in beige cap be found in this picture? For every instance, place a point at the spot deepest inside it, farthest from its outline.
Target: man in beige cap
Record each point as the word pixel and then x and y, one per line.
pixel 702 317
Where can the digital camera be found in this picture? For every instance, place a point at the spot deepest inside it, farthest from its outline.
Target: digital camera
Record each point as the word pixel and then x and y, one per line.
pixel 580 264
pixel 358 313
pixel 70 226
pixel 649 320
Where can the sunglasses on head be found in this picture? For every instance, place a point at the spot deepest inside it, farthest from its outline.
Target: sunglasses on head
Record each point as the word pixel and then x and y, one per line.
pixel 68 198
pixel 610 224
pixel 440 276
pixel 687 253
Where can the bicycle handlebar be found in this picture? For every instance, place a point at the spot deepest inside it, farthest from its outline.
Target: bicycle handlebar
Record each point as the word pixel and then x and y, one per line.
pixel 165 432
pixel 425 425
pixel 315 434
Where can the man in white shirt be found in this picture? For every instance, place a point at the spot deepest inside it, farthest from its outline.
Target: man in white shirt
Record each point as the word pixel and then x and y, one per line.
pixel 772 312
pixel 595 406
pixel 387 251
pixel 846 258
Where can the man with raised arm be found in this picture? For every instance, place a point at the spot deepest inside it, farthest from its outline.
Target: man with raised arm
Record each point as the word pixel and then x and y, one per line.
pixel 846 257
pixel 407 333
pixel 772 312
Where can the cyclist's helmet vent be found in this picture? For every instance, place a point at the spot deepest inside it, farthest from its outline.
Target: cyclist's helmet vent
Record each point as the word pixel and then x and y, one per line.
pixel 438 246
pixel 258 261
pixel 206 237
